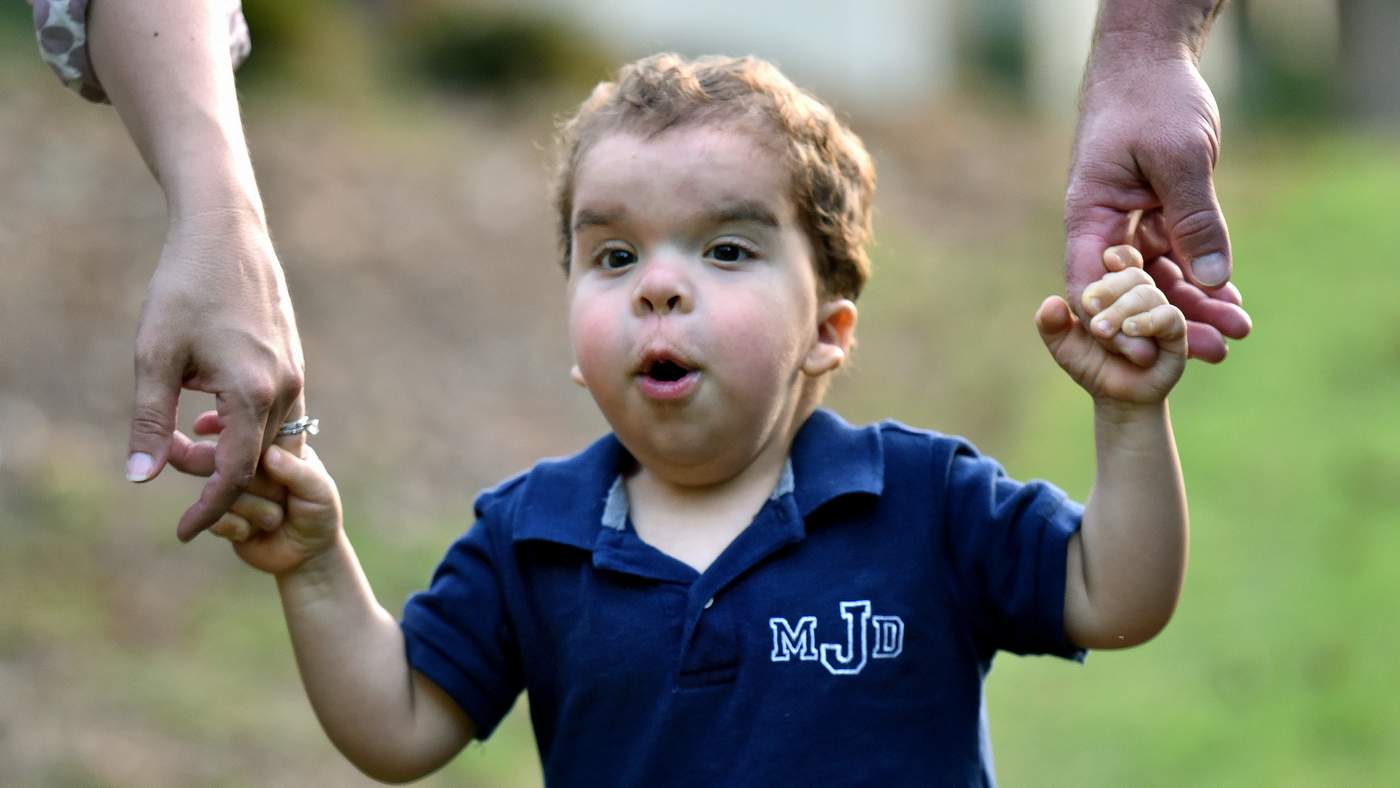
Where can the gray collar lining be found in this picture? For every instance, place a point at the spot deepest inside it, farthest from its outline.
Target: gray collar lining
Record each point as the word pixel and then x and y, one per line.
pixel 616 509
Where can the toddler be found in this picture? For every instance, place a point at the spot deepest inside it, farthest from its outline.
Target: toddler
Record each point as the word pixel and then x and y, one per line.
pixel 736 587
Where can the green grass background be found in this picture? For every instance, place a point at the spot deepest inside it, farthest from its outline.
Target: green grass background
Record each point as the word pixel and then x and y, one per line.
pixel 1279 667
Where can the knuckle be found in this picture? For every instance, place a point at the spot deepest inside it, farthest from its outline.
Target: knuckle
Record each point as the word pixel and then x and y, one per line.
pixel 147 419
pixel 1137 276
pixel 263 510
pixel 292 381
pixel 1198 228
pixel 245 505
pixel 1180 148
pixel 1144 293
pixel 225 529
pixel 263 490
pixel 259 395
pixel 241 476
pixel 151 360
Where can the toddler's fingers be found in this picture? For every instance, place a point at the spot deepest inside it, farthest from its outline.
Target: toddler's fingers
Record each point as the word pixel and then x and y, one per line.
pixel 1056 324
pixel 1140 299
pixel 1053 317
pixel 309 454
pixel 266 487
pixel 304 478
pixel 1165 322
pixel 207 423
pixel 258 511
pixel 1099 295
pixel 1071 346
pixel 232 527
pixel 1117 258
pixel 190 456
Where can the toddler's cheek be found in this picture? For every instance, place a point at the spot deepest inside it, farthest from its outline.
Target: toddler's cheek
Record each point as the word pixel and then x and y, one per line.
pixel 596 339
pixel 758 363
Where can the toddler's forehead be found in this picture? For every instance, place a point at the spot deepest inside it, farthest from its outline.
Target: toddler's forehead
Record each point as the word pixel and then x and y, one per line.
pixel 701 161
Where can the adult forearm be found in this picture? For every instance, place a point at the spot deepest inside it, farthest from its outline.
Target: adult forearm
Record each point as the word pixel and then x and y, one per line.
pixel 1134 28
pixel 350 653
pixel 166 67
pixel 1132 546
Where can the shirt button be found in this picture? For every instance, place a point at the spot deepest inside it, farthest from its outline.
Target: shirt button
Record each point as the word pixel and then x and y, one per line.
pixel 709 603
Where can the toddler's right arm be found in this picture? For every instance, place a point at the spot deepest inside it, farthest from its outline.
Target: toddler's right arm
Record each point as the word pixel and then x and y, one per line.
pixel 390 721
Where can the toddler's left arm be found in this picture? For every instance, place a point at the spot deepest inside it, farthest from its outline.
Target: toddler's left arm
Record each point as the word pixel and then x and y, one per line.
pixel 1126 564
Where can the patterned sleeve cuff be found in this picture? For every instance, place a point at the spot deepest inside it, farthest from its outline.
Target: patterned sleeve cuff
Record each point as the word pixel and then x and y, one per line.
pixel 61 27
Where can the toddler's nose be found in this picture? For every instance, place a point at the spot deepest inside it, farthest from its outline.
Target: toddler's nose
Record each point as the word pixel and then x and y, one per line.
pixel 662 288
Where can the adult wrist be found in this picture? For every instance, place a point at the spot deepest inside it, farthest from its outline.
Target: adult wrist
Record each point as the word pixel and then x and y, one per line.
pixel 1129 32
pixel 213 184
pixel 218 210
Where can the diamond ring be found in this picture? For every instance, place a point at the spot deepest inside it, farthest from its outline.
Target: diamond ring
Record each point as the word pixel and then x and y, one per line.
pixel 304 424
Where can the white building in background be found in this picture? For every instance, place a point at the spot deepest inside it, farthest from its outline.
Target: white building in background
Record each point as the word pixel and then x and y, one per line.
pixel 870 54
pixel 862 52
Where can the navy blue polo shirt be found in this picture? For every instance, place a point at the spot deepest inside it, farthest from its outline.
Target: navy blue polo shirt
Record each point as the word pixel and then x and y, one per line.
pixel 841 639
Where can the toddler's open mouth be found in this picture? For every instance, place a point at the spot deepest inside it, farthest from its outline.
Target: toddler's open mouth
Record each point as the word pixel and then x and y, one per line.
pixel 666 371
pixel 665 378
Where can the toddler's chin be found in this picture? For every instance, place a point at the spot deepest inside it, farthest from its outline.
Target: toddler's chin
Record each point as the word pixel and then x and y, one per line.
pixel 686 454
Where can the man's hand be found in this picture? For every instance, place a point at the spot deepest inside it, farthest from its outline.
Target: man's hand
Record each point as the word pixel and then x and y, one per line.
pixel 1148 139
pixel 217 318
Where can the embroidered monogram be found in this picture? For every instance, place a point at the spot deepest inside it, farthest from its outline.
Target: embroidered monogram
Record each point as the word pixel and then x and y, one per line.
pixel 868 636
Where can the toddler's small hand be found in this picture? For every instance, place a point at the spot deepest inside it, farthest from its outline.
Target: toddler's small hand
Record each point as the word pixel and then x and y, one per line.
pixel 290 513
pixel 1123 300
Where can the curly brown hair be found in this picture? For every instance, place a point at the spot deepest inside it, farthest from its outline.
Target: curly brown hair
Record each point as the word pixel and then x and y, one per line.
pixel 833 178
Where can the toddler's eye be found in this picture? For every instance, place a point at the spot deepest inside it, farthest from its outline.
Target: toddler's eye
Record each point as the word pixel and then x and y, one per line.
pixel 729 253
pixel 613 259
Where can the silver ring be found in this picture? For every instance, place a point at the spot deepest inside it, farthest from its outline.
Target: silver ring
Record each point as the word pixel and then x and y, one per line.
pixel 304 424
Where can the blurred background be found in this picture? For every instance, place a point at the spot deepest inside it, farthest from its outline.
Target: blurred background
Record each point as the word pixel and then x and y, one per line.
pixel 404 149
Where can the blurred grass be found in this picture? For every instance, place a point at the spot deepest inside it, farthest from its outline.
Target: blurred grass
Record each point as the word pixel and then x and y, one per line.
pixel 127 659
pixel 1278 668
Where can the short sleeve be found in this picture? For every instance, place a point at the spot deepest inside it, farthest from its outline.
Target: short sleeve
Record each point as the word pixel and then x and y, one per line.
pixel 1008 542
pixel 457 633
pixel 61 28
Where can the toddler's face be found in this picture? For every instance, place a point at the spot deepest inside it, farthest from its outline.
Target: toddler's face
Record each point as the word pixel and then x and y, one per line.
pixel 694 313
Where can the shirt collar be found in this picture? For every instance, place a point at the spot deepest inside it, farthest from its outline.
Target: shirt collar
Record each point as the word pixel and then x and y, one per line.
pixel 567 501
pixel 831 459
pixel 616 507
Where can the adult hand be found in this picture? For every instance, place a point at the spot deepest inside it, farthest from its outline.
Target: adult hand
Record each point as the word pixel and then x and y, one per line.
pixel 1148 139
pixel 217 318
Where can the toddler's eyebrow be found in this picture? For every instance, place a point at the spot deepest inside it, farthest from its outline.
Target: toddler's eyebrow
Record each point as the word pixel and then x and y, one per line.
pixel 743 211
pixel 588 217
pixel 719 213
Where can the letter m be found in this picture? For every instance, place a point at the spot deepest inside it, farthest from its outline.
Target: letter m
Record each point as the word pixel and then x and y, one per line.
pixel 800 640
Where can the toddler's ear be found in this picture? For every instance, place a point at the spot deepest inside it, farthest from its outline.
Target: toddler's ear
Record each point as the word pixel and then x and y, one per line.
pixel 836 331
pixel 576 375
